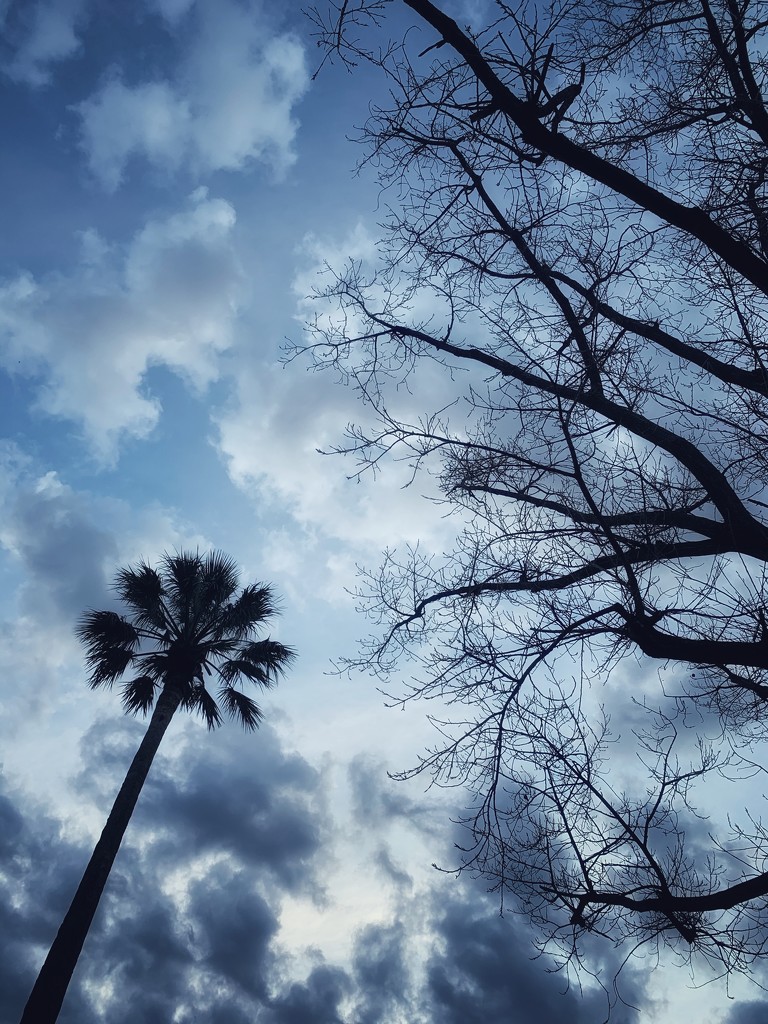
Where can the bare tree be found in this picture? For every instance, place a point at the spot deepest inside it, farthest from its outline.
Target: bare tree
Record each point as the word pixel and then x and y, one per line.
pixel 578 209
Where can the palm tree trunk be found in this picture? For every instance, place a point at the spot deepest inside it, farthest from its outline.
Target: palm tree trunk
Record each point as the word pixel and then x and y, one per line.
pixel 48 993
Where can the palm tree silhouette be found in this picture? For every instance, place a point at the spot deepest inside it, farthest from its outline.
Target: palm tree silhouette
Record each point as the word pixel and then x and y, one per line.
pixel 187 622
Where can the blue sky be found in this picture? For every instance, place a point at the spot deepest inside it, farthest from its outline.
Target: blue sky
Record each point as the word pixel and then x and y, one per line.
pixel 173 183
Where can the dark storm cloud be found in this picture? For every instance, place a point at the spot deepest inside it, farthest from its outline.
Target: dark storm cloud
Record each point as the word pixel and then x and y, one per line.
pixel 63 550
pixel 478 966
pixel 227 791
pixel 164 958
pixel 483 970
pixel 381 973
pixel 751 1012
pixel 314 1001
pixel 235 926
pixel 38 873
pixel 449 957
pixel 138 946
pixel 227 824
pixel 377 798
pixel 189 926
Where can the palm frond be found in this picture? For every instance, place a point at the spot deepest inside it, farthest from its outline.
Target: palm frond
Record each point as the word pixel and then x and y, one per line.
pixel 218 583
pixel 97 629
pixel 110 645
pixel 198 699
pixel 142 589
pixel 254 606
pixel 156 663
pixel 138 695
pixel 180 574
pixel 109 666
pixel 220 576
pixel 261 661
pixel 241 708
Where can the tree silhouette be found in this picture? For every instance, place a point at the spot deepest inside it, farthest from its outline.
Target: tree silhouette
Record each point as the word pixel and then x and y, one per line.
pixel 578 233
pixel 187 621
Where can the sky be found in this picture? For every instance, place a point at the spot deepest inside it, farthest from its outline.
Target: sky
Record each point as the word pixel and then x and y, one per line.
pixel 173 182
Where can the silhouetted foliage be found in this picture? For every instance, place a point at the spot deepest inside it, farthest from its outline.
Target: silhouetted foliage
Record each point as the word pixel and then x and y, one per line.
pixel 185 622
pixel 578 234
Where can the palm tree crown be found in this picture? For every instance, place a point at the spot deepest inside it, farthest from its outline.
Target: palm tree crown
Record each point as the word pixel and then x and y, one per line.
pixel 187 623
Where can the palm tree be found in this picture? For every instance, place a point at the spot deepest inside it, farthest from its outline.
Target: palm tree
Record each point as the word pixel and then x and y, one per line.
pixel 187 621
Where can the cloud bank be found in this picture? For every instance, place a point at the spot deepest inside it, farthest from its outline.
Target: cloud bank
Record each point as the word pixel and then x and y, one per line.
pixel 228 828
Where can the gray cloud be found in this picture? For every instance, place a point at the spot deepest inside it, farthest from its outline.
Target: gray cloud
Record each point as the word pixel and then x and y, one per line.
pixel 62 549
pixel 751 1012
pixel 227 826
pixel 382 977
pixel 377 798
pixel 189 927
pixel 236 927
pixel 138 947
pixel 485 971
pixel 314 1001
pixel 227 792
pixel 38 36
pixel 391 869
pixel 38 873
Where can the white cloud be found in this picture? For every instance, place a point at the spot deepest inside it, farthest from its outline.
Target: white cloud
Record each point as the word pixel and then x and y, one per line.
pixel 168 298
pixel 269 439
pixel 270 443
pixel 46 35
pixel 229 102
pixel 120 121
pixel 171 10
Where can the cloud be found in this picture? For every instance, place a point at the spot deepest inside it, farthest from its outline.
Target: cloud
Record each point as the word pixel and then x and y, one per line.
pixel 244 796
pixel 59 549
pixel 190 924
pixel 282 417
pixel 56 562
pixel 376 798
pixel 63 545
pixel 65 553
pixel 119 121
pixel 172 10
pixel 382 976
pixel 448 956
pixel 482 970
pixel 444 949
pixel 34 892
pixel 227 827
pixel 236 928
pixel 314 1001
pixel 392 870
pixel 90 336
pixel 41 35
pixel 228 103
pixel 748 1012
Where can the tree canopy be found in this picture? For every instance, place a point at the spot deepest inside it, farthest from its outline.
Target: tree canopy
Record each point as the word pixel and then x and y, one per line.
pixel 187 621
pixel 577 233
